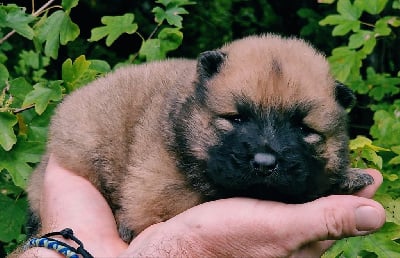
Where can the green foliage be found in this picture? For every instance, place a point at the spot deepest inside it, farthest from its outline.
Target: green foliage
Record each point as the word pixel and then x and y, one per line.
pixel 12 16
pixel 81 71
pixel 369 25
pixel 366 246
pixel 54 30
pixel 114 27
pixel 10 226
pixel 170 12
pixel 347 60
pixel 8 138
pixel 156 49
pixel 45 55
pixel 364 153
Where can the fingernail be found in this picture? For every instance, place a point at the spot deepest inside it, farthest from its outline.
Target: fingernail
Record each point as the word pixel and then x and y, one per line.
pixel 367 218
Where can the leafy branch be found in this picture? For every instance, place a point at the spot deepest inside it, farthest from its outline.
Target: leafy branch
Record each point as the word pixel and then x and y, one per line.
pixel 34 14
pixel 169 38
pixel 383 151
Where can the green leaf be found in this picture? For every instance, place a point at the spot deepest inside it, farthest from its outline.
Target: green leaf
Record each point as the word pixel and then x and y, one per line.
pixel 38 124
pixel 168 3
pixel 55 30
pixel 392 207
pixel 326 1
pixel 381 243
pixel 396 4
pixel 365 153
pixel 156 49
pixel 100 66
pixel 17 19
pixel 394 161
pixel 345 62
pixel 360 38
pixel 3 75
pixel 69 4
pixel 372 156
pixel 164 2
pixel 382 84
pixel 343 24
pixel 386 124
pixel 394 21
pixel 151 50
pixel 12 217
pixel 81 71
pixel 382 27
pixel 396 149
pixel 114 27
pixel 373 6
pixel 349 11
pixel 359 142
pixel 69 31
pixel 7 135
pixel 19 88
pixel 42 94
pixel 369 46
pixel 392 177
pixel 171 15
pixel 346 21
pixel 346 27
pixel 159 14
pixel 170 38
pixel 16 161
pixel 332 20
pixel 31 61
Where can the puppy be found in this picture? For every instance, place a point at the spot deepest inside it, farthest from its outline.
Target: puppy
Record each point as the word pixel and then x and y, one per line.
pixel 261 117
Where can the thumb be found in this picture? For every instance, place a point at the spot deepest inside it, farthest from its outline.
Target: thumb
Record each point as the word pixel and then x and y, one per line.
pixel 335 217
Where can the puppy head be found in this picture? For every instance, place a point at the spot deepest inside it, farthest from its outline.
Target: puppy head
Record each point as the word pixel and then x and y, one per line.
pixel 267 120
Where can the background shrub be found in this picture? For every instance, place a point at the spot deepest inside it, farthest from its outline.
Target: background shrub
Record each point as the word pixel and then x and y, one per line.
pixel 50 48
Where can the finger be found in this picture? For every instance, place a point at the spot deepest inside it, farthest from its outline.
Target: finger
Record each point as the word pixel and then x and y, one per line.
pixel 335 217
pixel 70 201
pixel 254 228
pixel 66 195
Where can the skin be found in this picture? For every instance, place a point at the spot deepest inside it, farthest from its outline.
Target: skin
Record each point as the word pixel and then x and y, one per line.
pixel 235 227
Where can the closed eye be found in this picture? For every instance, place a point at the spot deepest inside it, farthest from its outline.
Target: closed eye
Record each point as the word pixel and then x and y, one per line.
pixel 299 124
pixel 310 135
pixel 306 130
pixel 235 118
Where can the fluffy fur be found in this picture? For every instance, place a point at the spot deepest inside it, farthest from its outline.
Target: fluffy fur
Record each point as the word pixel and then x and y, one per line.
pixel 260 117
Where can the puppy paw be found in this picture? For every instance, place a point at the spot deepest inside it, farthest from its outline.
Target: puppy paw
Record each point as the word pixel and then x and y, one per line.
pixel 355 180
pixel 126 234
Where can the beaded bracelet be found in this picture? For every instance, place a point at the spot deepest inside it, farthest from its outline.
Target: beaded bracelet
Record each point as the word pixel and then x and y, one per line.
pixel 60 247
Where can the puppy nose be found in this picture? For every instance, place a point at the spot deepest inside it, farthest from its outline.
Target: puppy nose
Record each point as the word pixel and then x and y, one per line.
pixel 264 163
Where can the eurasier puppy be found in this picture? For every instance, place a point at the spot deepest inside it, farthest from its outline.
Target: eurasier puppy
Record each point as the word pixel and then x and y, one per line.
pixel 261 117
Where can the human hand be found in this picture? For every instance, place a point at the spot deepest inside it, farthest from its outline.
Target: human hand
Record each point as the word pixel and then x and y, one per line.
pixel 240 227
pixel 231 227
pixel 70 201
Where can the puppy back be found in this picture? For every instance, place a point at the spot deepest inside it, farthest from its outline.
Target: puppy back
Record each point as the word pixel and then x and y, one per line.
pixel 98 120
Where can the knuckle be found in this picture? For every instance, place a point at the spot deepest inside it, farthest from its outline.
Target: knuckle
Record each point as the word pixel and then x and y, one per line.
pixel 334 222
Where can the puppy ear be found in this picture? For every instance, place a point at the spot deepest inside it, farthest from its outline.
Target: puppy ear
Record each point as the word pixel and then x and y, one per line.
pixel 209 63
pixel 344 96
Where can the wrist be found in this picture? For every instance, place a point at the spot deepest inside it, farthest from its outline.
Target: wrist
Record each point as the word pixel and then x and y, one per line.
pixel 39 252
pixel 97 244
